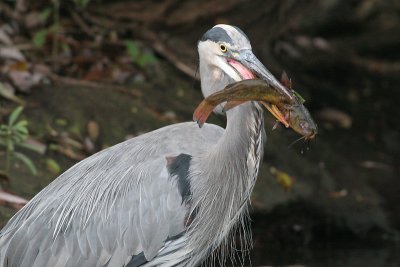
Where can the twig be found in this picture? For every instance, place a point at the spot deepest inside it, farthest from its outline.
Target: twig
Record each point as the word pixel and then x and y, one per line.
pixel 76 82
pixel 8 12
pixel 56 20
pixel 81 23
pixel 21 47
pixel 162 49
pixel 149 37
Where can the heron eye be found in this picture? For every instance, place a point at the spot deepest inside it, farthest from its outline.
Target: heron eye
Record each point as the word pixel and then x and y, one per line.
pixel 223 48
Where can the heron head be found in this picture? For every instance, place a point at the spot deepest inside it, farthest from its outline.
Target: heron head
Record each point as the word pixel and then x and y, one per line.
pixel 226 56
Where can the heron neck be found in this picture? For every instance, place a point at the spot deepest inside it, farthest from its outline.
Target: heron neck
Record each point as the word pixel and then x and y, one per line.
pixel 228 173
pixel 244 134
pixel 236 157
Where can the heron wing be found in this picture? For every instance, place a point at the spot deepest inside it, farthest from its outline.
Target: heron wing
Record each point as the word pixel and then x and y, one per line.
pixel 118 206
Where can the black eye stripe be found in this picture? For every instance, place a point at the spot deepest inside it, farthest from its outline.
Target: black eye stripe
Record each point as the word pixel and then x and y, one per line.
pixel 217 34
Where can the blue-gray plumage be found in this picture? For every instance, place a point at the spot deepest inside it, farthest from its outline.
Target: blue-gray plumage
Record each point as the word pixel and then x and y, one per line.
pixel 170 197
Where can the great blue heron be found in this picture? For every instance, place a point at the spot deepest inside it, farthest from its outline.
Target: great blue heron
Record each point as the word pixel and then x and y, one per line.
pixel 170 197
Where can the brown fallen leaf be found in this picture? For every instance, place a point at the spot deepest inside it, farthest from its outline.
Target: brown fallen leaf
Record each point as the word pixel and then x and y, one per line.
pixel 18 66
pixel 8 92
pixel 4 177
pixel 335 117
pixel 66 140
pixel 4 37
pixel 370 164
pixel 34 145
pixel 338 194
pixel 21 6
pixel 68 152
pixel 11 53
pixel 12 200
pixel 93 130
pixel 24 80
pixel 89 145
pixel 97 72
pixel 119 75
pixel 33 20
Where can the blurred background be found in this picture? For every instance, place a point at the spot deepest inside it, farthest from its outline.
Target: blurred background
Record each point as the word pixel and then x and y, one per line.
pixel 78 76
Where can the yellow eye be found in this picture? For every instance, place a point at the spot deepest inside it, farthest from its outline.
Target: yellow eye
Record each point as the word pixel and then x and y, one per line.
pixel 223 48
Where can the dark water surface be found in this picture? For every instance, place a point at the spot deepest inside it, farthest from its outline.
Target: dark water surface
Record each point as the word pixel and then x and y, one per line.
pixel 360 255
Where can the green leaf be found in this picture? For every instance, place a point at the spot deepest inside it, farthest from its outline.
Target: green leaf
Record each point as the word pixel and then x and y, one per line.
pixel 61 122
pixel 45 14
pixel 146 59
pixel 133 50
pixel 10 145
pixel 55 28
pixel 21 126
pixel 4 130
pixel 53 166
pixel 36 147
pixel 82 3
pixel 39 38
pixel 17 138
pixel 53 147
pixel 14 115
pixel 26 161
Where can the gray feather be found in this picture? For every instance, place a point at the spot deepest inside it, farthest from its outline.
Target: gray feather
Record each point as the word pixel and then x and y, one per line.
pixel 106 200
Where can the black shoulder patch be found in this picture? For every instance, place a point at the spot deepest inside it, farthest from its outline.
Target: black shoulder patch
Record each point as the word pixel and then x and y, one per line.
pixel 217 34
pixel 137 260
pixel 179 167
pixel 171 238
pixel 241 32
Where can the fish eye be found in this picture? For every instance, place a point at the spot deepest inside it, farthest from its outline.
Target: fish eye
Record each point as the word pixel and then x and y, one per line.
pixel 304 125
pixel 223 48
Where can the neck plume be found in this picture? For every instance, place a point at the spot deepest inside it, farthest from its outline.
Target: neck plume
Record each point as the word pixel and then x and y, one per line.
pixel 229 172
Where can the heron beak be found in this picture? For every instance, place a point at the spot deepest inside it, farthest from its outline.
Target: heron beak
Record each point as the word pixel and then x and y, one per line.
pixel 251 62
pixel 249 67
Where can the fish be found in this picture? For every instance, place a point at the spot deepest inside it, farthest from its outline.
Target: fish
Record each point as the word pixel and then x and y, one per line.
pixel 297 115
pixel 298 118
pixel 291 112
pixel 237 93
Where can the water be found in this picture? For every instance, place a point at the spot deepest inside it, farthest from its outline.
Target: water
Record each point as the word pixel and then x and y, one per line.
pixel 355 256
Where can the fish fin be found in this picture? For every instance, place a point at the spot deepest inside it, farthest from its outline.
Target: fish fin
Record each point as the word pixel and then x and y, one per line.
pixel 275 125
pixel 276 113
pixel 299 97
pixel 285 80
pixel 202 112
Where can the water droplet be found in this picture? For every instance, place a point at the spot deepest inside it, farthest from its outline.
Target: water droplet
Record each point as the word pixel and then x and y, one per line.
pixel 301 151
